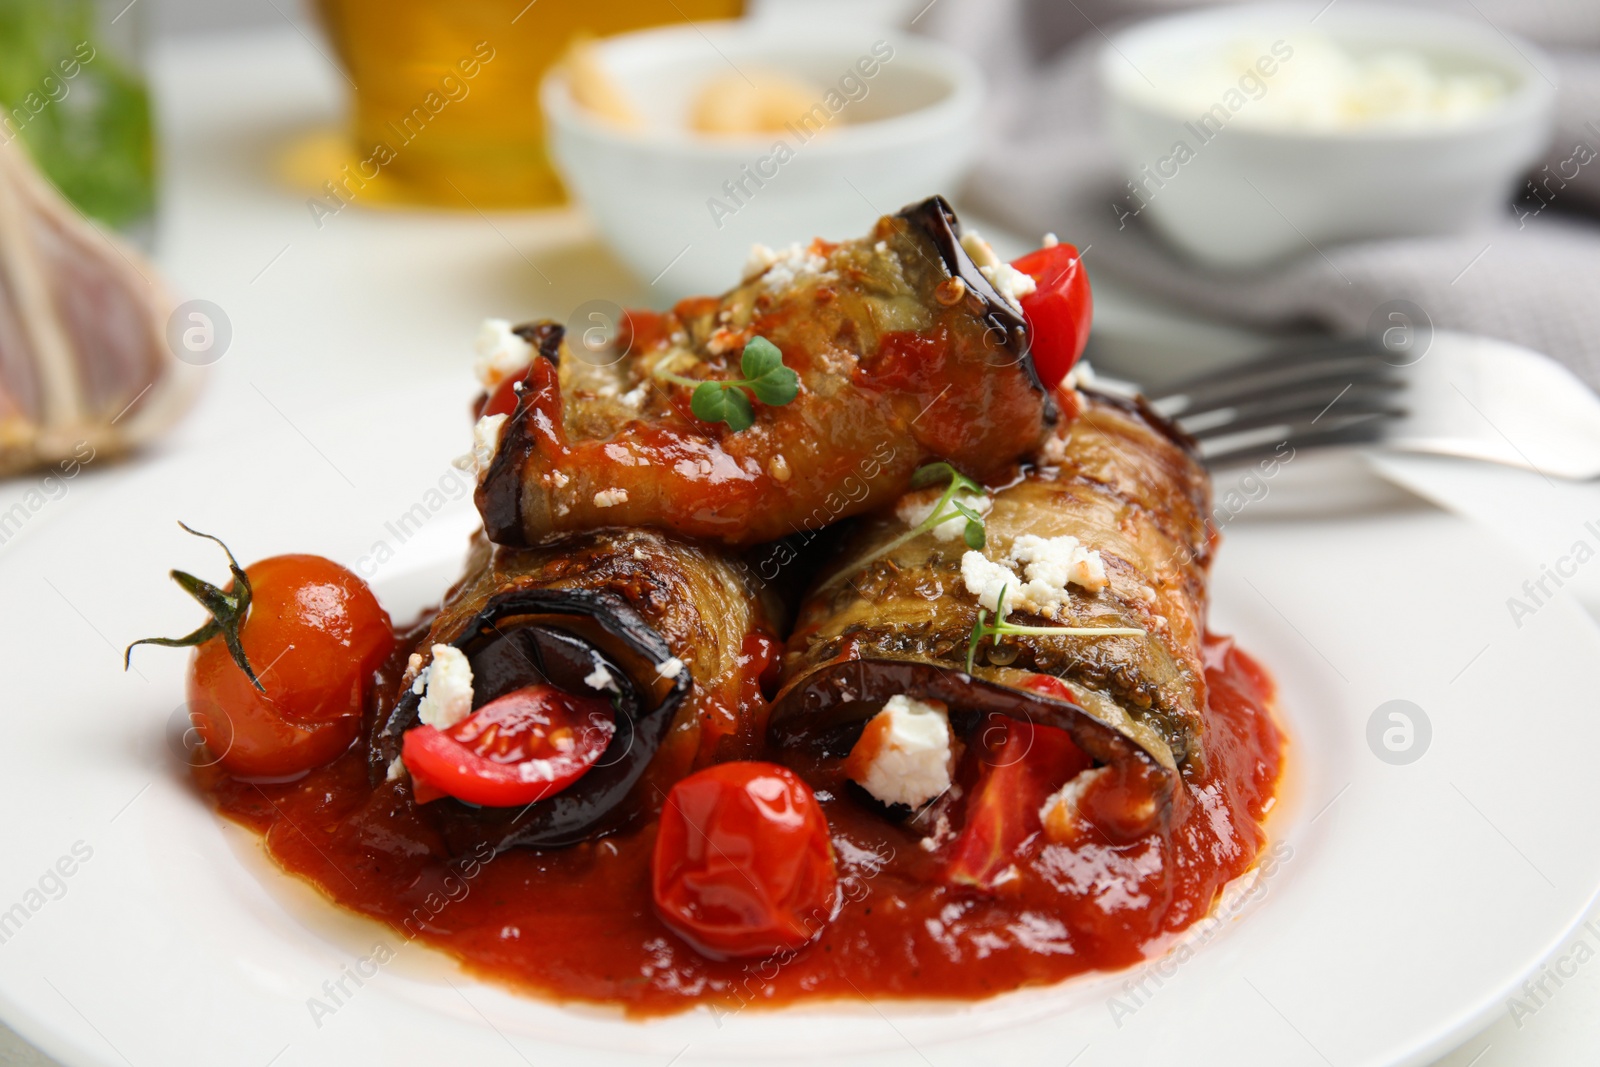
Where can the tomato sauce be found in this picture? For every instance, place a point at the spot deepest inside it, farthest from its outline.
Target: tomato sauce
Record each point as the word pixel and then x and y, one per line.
pixel 578 923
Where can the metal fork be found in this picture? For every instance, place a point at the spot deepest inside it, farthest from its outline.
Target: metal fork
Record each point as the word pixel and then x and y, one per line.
pixel 1314 394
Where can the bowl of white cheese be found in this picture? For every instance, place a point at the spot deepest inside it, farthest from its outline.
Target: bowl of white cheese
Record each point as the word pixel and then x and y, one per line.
pixel 1252 134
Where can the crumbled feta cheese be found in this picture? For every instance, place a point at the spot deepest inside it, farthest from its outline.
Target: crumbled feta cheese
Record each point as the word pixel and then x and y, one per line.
pixel 1055 449
pixel 634 397
pixel 903 756
pixel 916 508
pixel 1051 564
pixel 978 250
pixel 725 339
pixel 559 479
pixel 986 579
pixel 448 696
pixel 1009 282
pixel 599 678
pixel 881 247
pixel 396 771
pixel 486 441
pixel 420 684
pixel 760 258
pixel 1050 241
pixel 501 353
pixel 780 269
pixel 1059 815
pixel 610 498
pixel 670 668
pixel 941 834
pixel 1059 561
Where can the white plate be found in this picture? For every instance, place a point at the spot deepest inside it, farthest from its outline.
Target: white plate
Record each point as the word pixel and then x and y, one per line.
pixel 1415 896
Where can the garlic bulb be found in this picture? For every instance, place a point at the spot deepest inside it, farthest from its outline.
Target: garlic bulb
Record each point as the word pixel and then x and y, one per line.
pixel 84 358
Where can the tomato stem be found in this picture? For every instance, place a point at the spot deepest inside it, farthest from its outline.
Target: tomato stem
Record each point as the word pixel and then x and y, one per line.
pixel 227 610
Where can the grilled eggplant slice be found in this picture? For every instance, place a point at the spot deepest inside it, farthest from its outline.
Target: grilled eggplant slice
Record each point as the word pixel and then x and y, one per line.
pixel 1121 481
pixel 904 352
pixel 671 622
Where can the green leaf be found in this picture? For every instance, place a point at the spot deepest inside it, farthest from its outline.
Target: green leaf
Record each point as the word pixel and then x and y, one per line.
pixel 973 535
pixel 776 387
pixel 709 402
pixel 725 401
pixel 736 410
pixel 760 357
pixel 966 485
pixel 933 474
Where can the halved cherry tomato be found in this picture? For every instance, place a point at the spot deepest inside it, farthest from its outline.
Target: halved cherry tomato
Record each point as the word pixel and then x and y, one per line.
pixel 1021 764
pixel 529 744
pixel 1058 311
pixel 743 865
pixel 314 635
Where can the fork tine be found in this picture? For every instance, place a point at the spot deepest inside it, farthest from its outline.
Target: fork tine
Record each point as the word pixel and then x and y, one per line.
pixel 1222 386
pixel 1249 446
pixel 1313 404
pixel 1303 353
pixel 1302 420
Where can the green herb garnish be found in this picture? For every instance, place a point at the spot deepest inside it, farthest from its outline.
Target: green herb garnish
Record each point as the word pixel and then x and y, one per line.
pixel 227 609
pixel 764 375
pixel 982 629
pixel 946 508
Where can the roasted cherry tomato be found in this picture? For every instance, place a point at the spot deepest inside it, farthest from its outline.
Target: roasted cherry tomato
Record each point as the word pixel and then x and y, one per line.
pixel 1019 765
pixel 1058 311
pixel 525 746
pixel 743 864
pixel 313 634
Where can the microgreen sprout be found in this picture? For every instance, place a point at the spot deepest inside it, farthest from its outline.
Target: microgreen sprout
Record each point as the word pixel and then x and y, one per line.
pixel 946 508
pixel 725 401
pixel 981 629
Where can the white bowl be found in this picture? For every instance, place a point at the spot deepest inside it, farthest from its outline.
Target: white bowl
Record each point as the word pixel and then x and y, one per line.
pixel 1250 195
pixel 654 193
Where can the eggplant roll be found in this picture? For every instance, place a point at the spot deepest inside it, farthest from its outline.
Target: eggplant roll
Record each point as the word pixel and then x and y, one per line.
pixel 881 623
pixel 672 625
pixel 904 351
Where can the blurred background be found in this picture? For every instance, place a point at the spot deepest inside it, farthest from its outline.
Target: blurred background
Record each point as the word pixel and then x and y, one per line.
pixel 219 218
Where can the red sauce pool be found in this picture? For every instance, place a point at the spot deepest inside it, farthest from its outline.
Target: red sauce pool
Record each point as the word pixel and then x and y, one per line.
pixel 577 924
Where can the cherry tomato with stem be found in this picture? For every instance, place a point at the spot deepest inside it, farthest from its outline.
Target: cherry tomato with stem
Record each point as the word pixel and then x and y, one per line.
pixel 281 670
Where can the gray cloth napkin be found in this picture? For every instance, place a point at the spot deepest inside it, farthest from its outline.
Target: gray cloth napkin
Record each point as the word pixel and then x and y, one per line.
pixel 1529 277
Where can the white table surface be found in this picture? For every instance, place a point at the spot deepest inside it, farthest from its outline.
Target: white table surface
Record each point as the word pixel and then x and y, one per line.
pixel 376 297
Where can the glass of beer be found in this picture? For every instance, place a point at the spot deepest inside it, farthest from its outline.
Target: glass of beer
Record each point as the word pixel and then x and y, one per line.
pixel 444 92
